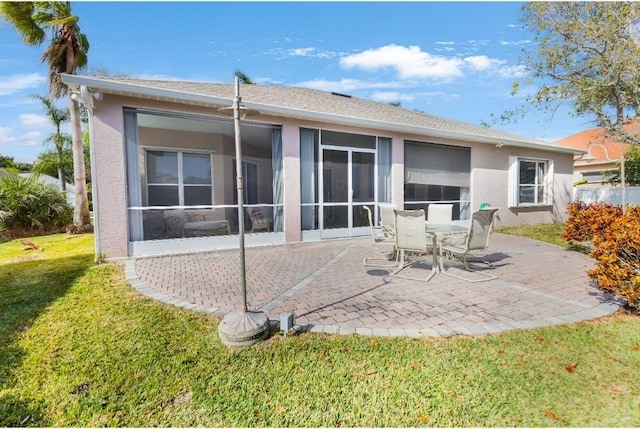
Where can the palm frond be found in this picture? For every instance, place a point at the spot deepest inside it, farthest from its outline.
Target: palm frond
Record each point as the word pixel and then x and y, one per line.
pixel 21 16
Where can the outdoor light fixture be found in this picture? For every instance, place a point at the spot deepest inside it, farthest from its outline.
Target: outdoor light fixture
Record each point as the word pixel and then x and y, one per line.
pixel 588 157
pixel 241 328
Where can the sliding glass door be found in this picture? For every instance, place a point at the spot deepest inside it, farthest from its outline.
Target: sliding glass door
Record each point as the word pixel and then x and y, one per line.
pixel 348 184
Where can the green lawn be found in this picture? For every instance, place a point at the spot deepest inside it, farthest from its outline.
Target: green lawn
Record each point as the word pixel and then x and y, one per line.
pixel 79 347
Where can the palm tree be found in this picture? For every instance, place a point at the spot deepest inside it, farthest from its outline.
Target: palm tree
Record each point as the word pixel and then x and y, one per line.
pixel 243 77
pixel 66 53
pixel 60 140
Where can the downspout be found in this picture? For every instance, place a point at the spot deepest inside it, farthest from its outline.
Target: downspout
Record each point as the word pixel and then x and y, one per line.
pixel 86 98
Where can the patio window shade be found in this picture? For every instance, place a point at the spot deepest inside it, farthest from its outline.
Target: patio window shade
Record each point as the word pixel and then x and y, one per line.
pixel 430 164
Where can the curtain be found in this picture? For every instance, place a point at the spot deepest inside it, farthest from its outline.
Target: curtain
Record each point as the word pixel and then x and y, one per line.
pixel 384 169
pixel 134 188
pixel 276 163
pixel 465 203
pixel 308 178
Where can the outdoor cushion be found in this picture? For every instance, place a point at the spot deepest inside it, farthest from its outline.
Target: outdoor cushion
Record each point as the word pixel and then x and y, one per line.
pixel 175 220
pixel 205 228
pixel 259 219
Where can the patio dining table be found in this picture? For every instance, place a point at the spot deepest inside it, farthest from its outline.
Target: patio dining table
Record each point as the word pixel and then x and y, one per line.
pixel 437 232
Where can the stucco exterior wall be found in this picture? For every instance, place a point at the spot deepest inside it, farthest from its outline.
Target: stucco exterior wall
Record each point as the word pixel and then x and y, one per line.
pixel 490 179
pixel 489 170
pixel 291 178
pixel 110 178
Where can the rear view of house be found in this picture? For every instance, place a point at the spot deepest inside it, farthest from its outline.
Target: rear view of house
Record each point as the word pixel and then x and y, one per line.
pixel 164 155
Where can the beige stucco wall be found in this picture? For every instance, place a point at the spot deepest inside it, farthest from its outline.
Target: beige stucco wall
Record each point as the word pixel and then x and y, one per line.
pixel 489 170
pixel 110 178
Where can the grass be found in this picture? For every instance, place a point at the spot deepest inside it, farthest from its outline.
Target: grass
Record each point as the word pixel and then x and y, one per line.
pixel 551 233
pixel 79 347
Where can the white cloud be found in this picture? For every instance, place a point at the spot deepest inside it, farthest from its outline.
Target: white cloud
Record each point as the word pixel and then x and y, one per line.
pixel 30 121
pixel 346 85
pixel 414 63
pixel 30 138
pixel 309 52
pixel 408 62
pixel 392 96
pixel 445 43
pixel 515 42
pixel 267 81
pixel 482 62
pixel 302 52
pixel 15 83
pixel 479 42
pixel 513 71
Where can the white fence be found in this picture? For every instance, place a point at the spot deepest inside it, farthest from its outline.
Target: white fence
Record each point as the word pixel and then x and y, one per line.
pixel 607 194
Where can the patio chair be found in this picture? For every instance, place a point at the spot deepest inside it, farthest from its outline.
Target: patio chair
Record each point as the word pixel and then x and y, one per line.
pixel 439 213
pixel 411 239
pixel 387 220
pixel 477 238
pixel 377 233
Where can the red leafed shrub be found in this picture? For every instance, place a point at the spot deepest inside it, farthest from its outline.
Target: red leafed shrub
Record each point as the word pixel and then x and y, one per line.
pixel 615 243
pixel 586 221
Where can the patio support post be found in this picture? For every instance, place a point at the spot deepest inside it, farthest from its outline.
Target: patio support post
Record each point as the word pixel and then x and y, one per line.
pixel 241 328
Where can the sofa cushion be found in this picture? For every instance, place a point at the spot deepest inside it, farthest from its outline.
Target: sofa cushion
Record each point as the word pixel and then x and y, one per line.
pixel 175 220
pixel 201 215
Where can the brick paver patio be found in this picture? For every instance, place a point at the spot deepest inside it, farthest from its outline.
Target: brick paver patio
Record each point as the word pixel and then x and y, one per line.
pixel 327 287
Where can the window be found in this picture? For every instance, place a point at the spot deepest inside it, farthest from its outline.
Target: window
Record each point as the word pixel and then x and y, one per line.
pixel 531 182
pixel 178 178
pixel 437 173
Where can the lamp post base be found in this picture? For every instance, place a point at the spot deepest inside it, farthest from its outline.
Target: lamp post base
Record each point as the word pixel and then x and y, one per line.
pixel 243 329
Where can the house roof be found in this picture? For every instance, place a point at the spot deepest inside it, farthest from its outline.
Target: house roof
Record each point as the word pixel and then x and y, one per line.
pixel 5 173
pixel 593 140
pixel 308 104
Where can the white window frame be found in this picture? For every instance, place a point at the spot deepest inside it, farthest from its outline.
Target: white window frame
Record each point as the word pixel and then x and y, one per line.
pixel 180 184
pixel 514 182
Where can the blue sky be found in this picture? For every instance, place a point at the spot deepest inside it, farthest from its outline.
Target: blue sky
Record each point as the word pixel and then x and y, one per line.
pixel 451 59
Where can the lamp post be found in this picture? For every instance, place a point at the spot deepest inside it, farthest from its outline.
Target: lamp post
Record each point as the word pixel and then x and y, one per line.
pixel 588 157
pixel 241 328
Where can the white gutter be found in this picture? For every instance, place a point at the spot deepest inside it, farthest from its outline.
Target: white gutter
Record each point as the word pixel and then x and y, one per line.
pixel 86 97
pixel 168 94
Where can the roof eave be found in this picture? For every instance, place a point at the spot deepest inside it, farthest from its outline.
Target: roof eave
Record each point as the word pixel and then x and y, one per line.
pixel 172 95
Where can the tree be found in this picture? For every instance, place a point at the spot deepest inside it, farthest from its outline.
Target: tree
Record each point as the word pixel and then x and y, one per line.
pixel 51 162
pixel 631 169
pixel 243 78
pixel 587 54
pixel 60 140
pixel 66 53
pixel 7 162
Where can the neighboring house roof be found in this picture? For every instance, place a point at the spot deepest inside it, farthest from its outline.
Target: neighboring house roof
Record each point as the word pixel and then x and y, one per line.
pixel 5 173
pixel 308 104
pixel 53 181
pixel 593 140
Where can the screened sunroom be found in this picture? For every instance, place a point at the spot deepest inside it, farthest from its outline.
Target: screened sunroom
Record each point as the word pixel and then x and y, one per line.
pixel 181 182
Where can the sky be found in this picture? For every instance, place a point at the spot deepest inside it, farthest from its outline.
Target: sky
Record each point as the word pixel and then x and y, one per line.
pixel 456 60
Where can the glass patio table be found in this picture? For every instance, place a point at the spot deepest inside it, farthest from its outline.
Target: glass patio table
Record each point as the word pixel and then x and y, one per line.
pixel 437 231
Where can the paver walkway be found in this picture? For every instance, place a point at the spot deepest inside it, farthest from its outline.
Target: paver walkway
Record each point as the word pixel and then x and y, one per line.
pixel 327 287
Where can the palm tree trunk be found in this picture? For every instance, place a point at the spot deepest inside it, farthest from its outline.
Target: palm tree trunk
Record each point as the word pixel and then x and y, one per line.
pixel 81 217
pixel 63 183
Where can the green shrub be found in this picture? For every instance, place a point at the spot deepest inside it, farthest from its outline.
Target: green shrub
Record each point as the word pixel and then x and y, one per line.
pixel 26 204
